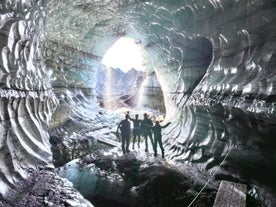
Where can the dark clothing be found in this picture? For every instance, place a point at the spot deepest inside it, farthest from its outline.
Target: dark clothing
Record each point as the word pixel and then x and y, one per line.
pixel 124 127
pixel 146 125
pixel 136 131
pixel 158 138
pixel 136 123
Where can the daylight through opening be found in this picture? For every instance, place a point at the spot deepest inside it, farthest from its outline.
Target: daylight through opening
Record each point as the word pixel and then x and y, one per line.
pixel 125 54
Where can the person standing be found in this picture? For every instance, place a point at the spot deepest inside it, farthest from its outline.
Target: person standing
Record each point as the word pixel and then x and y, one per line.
pixel 146 125
pixel 158 137
pixel 124 127
pixel 136 130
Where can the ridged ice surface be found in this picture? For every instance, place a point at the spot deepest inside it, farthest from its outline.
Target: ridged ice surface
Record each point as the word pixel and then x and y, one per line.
pixel 26 103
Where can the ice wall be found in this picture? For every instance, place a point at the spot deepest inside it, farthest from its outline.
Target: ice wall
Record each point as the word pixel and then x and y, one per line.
pixel 27 101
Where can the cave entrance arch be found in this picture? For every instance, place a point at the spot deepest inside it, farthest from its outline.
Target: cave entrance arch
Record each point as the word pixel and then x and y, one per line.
pixel 126 75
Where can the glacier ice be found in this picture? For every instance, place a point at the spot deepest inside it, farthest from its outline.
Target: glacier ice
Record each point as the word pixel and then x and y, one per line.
pixel 213 62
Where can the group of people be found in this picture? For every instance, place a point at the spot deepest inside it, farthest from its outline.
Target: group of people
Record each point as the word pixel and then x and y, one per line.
pixel 141 127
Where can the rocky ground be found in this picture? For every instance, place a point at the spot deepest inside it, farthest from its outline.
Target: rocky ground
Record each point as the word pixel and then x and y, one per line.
pixel 46 188
pixel 106 177
pixel 133 180
pixel 137 179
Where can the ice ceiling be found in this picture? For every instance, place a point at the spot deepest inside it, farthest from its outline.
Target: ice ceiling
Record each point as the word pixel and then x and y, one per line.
pixel 214 61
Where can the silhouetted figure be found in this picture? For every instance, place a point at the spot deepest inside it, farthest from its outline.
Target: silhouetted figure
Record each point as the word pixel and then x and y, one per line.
pixel 136 130
pixel 146 125
pixel 158 137
pixel 124 127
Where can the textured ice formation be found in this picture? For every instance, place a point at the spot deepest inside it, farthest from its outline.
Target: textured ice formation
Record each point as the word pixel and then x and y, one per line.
pixel 26 101
pixel 26 107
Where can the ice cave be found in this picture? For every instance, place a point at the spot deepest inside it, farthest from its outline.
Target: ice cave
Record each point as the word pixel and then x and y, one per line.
pixel 205 66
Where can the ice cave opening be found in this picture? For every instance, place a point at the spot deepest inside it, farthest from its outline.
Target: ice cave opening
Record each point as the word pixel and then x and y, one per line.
pixel 209 71
pixel 126 53
pixel 125 68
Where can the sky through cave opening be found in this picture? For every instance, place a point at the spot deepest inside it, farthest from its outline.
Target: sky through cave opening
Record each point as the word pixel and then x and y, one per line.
pixel 126 70
pixel 125 54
